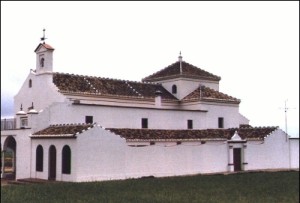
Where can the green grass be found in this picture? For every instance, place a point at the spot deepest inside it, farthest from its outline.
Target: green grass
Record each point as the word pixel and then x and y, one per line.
pixel 243 187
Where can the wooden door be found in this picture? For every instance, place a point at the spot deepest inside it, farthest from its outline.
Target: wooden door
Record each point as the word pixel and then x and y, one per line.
pixel 237 159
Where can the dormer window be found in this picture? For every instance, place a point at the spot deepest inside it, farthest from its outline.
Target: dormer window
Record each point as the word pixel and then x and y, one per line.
pixel 42 61
pixel 174 89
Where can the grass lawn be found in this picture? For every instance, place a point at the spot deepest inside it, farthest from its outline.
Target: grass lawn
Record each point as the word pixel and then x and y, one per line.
pixel 242 187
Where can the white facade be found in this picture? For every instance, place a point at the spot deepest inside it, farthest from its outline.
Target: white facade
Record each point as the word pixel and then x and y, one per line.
pixel 46 99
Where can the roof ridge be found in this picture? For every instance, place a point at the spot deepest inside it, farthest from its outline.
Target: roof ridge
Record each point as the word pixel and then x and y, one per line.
pixel 188 70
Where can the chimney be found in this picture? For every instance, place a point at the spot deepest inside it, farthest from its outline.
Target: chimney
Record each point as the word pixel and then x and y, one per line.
pixel 158 94
pixel 202 87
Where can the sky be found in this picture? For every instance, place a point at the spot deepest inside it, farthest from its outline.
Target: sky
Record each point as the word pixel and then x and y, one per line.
pixel 252 46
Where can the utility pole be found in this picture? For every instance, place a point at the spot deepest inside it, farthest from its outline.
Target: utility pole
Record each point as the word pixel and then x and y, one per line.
pixel 285 112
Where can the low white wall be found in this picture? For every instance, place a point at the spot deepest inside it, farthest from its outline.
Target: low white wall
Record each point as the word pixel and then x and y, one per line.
pixel 294 153
pixel 101 156
pixel 59 144
pixel 106 156
pixel 272 153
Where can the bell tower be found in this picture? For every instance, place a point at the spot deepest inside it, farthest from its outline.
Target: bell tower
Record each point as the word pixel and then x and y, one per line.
pixel 44 56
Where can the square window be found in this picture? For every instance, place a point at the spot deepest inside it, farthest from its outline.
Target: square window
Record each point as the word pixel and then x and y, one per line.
pixel 190 124
pixel 89 119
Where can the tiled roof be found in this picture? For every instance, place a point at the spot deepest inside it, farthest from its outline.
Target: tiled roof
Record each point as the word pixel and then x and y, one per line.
pixel 188 70
pixel 226 134
pixel 209 95
pixel 62 130
pixel 47 46
pixel 104 86
pixel 71 130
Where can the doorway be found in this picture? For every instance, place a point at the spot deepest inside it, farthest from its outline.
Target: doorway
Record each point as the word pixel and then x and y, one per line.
pixel 237 159
pixel 8 158
pixel 52 163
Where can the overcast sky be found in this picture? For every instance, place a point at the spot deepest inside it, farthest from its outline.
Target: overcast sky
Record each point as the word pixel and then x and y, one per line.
pixel 252 46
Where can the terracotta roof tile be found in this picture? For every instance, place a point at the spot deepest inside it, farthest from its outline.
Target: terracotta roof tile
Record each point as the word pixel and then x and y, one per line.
pixel 71 130
pixel 226 134
pixel 209 94
pixel 47 46
pixel 105 86
pixel 188 70
pixel 62 130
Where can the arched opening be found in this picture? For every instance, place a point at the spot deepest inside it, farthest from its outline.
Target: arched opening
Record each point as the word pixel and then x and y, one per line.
pixel 174 89
pixel 8 158
pixel 39 158
pixel 30 83
pixel 66 160
pixel 42 61
pixel 52 163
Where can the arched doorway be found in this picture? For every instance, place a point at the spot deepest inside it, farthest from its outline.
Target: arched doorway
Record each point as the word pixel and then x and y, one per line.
pixel 8 158
pixel 52 163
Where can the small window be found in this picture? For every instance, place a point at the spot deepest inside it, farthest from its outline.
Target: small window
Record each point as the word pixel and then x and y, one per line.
pixel 39 158
pixel 24 122
pixel 30 83
pixel 42 61
pixel 190 124
pixel 144 122
pixel 221 122
pixel 89 119
pixel 174 89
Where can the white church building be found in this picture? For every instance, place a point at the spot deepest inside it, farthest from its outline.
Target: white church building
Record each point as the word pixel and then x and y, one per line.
pixel 76 128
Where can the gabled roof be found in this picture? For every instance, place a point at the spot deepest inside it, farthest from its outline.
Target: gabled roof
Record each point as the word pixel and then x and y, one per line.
pixel 207 134
pixel 47 46
pixel 208 94
pixel 188 71
pixel 105 86
pixel 62 131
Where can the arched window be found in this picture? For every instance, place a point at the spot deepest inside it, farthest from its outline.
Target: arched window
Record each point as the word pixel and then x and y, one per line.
pixel 66 160
pixel 42 62
pixel 39 158
pixel 30 83
pixel 174 89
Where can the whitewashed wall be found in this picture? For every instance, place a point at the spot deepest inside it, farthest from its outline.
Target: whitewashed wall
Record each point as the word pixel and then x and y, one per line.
pixel 186 86
pixel 101 156
pixel 119 117
pixel 294 152
pixel 97 154
pixel 59 144
pixel 106 156
pixel 272 153
pixel 122 117
pixel 230 113
pixel 22 150
pixel 42 93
